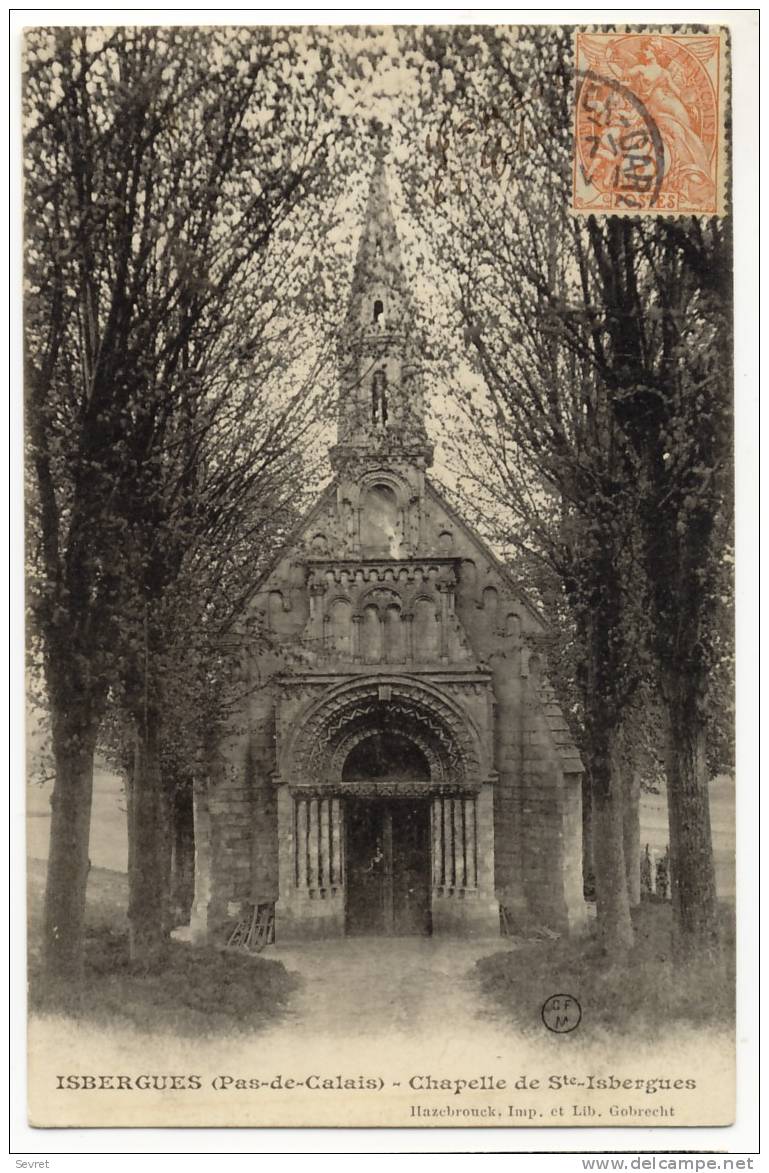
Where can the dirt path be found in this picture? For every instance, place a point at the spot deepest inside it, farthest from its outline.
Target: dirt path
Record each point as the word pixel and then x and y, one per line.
pixel 378 986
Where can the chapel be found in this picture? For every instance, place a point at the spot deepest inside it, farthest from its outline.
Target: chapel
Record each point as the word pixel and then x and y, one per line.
pixel 401 765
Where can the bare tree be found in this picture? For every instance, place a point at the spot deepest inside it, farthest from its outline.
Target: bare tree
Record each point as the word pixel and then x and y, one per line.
pixel 600 429
pixel 170 180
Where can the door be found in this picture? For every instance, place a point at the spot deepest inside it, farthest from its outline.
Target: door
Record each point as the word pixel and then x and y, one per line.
pixel 411 867
pixel 365 872
pixel 388 867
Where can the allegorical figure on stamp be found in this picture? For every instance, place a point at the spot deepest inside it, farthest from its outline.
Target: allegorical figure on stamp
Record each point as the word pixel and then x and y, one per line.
pixel 670 77
pixel 661 83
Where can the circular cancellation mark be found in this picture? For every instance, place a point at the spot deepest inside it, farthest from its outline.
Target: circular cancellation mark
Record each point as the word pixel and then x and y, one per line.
pixel 640 166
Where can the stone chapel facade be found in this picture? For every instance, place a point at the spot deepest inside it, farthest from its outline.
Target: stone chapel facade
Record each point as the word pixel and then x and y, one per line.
pixel 401 766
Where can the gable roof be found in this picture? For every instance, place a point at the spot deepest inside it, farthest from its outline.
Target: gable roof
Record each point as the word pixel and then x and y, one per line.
pixel 326 496
pixel 476 539
pixel 292 541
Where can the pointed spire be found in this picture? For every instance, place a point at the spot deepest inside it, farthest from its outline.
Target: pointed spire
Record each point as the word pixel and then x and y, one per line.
pixel 381 402
pixel 378 266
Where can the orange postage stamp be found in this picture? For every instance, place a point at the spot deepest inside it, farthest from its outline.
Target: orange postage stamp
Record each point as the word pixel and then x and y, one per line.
pixel 649 123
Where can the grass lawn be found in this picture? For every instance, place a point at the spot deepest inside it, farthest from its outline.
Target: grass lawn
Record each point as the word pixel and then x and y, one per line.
pixel 644 996
pixel 200 992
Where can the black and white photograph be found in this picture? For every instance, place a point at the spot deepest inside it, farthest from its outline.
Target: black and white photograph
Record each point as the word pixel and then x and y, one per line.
pixel 379 459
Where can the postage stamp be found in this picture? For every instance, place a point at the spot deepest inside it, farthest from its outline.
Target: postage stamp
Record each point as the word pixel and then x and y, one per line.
pixel 649 123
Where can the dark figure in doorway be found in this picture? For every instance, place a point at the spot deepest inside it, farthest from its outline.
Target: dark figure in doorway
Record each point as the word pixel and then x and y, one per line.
pixel 376 860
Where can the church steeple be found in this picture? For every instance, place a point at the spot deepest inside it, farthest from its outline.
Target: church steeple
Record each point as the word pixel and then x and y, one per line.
pixel 381 402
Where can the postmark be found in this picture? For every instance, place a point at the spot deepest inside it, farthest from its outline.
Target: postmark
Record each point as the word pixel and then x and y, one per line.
pixel 648 124
pixel 561 1013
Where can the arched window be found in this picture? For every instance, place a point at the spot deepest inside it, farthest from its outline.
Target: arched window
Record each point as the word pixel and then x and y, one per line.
pixel 348 519
pixel 514 625
pixel 379 522
pixel 378 315
pixel 341 627
pixel 395 650
pixel 490 599
pixel 371 636
pixel 379 399
pixel 425 631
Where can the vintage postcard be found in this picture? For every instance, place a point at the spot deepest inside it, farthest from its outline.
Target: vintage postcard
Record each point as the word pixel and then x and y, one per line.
pixel 380 576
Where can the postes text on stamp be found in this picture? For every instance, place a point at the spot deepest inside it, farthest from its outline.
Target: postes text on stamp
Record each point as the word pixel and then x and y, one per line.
pixel 648 123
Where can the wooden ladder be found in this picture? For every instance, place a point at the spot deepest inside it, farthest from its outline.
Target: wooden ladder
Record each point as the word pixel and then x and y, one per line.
pixel 255 930
pixel 505 923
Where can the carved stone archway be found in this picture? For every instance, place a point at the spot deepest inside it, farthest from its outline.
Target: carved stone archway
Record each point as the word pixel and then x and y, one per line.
pixel 439 778
pixel 327 814
pixel 326 734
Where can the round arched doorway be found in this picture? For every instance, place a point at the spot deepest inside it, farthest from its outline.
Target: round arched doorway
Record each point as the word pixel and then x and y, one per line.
pixel 382 804
pixel 387 839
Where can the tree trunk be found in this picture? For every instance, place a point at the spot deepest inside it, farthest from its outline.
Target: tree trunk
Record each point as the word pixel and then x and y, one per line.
pixel 150 850
pixel 631 833
pixel 611 893
pixel 693 880
pixel 603 640
pixel 588 866
pixel 182 857
pixel 74 741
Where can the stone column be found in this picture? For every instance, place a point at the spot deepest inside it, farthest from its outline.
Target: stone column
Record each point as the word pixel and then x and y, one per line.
pixel 382 657
pixel 300 843
pixel 471 863
pixel 463 901
pixel 317 844
pixel 356 622
pixel 324 843
pixel 449 843
pixel 290 863
pixel 443 595
pixel 436 830
pixel 318 626
pixel 356 536
pixel 407 619
pixel 313 844
pixel 336 835
pixel 310 837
